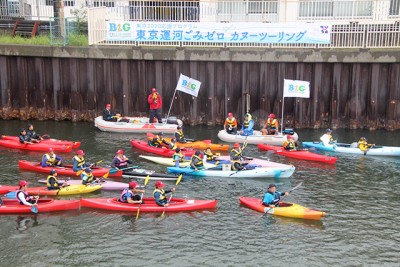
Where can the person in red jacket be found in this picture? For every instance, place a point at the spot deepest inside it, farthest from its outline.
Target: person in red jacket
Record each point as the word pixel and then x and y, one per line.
pixel 155 102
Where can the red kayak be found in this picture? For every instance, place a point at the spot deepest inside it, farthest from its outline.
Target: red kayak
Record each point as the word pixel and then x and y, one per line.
pixel 149 205
pixel 162 151
pixel 65 170
pixel 44 205
pixel 49 141
pixel 34 147
pixel 4 189
pixel 298 154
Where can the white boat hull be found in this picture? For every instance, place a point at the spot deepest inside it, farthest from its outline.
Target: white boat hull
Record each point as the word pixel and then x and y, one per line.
pixel 256 138
pixel 135 125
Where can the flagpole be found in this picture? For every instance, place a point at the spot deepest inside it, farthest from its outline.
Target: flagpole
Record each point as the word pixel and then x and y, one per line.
pixel 170 106
pixel 283 106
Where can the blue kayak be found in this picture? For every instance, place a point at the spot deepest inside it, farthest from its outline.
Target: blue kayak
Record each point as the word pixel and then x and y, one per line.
pixel 388 151
pixel 319 146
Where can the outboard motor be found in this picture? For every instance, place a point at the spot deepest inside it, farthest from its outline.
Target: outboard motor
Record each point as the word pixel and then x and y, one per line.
pixel 289 131
pixel 174 120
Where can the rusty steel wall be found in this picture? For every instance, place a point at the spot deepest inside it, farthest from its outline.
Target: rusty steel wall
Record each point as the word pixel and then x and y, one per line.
pixel 343 95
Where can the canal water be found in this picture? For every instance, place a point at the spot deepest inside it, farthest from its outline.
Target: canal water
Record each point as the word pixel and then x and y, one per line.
pixel 360 196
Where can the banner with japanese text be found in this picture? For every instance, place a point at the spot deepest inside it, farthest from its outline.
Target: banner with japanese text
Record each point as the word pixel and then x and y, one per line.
pixel 295 88
pixel 274 33
pixel 188 85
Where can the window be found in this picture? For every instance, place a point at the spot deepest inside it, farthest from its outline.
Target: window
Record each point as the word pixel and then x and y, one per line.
pixel 394 7
pixel 262 7
pixel 335 9
pixel 69 3
pixel 49 2
pixel 104 3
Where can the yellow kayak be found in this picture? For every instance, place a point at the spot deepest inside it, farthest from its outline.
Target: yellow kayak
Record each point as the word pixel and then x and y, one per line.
pixel 69 190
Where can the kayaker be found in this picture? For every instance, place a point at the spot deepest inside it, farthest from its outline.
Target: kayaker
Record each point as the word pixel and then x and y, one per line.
pixel 327 138
pixel 120 161
pixel 230 125
pixel 79 161
pixel 158 140
pixel 108 115
pixel 88 178
pixel 160 194
pixel 23 197
pixel 172 144
pixel 32 134
pixel 210 156
pixel 51 159
pixel 196 162
pixel 247 126
pixel 23 137
pixel 237 165
pixel 289 144
pixel 177 157
pixel 131 194
pixel 272 197
pixel 179 136
pixel 236 151
pixel 271 125
pixel 363 145
pixel 155 101
pixel 52 182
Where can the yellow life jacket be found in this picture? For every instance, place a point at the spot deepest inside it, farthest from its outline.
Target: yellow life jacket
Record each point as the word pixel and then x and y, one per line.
pixel 199 162
pixel 161 191
pixel 49 159
pixel 231 122
pixel 89 176
pixel 158 140
pixel 363 145
pixel 180 133
pixel 210 156
pixel 272 123
pixel 180 155
pixel 81 161
pixel 233 167
pixel 48 178
pixel 289 145
pixel 236 153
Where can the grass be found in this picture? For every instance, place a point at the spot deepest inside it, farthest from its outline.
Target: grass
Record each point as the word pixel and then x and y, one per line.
pixel 74 40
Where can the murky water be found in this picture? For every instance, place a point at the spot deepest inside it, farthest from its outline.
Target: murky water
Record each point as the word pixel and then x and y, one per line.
pixel 360 196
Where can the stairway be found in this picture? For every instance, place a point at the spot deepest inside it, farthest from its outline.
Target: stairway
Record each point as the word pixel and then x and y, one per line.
pixel 26 28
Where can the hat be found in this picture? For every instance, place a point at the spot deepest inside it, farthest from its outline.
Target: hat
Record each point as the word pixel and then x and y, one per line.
pixel 153 90
pixel 159 184
pixel 132 185
pixel 271 185
pixel 53 172
pixel 120 151
pixel 80 152
pixel 51 149
pixel 272 115
pixel 23 183
pixel 328 130
pixel 230 114
pixel 108 106
pixel 236 145
pixel 88 169
pixel 22 130
pixel 363 138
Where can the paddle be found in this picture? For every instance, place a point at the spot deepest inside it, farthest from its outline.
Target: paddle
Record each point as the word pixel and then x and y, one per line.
pixel 45 136
pixel 294 188
pixel 170 197
pixel 95 164
pixel 115 170
pixel 145 183
pixel 34 208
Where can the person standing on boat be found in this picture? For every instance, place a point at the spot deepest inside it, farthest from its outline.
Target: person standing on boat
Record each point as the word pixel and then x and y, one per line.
pixel 327 138
pixel 88 178
pixel 230 125
pixel 177 157
pixel 196 161
pixel 32 135
pixel 23 137
pixel 158 141
pixel 120 161
pixel 289 144
pixel 271 125
pixel 23 197
pixel 248 125
pixel 131 194
pixel 160 194
pixel 272 197
pixel 179 136
pixel 79 161
pixel 50 159
pixel 52 183
pixel 363 145
pixel 108 115
pixel 155 102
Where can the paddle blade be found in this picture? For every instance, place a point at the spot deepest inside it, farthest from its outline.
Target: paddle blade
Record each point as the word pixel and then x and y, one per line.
pixel 34 209
pixel 113 171
pixel 106 175
pixel 163 213
pixel 100 161
pixel 137 214
pixel 79 172
pixel 179 179
pixel 146 181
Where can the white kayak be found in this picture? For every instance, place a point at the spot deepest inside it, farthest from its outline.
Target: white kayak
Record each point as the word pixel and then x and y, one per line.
pixel 256 138
pixel 137 125
pixel 253 173
pixel 169 162
pixel 388 151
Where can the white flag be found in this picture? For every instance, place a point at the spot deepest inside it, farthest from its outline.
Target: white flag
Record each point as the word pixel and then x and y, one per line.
pixel 294 88
pixel 188 85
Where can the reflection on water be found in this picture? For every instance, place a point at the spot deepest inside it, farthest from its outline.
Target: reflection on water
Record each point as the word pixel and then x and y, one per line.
pixel 23 222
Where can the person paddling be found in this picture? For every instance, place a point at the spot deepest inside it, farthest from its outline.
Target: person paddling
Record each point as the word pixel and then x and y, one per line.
pixel 24 138
pixel 327 138
pixel 32 135
pixel 272 197
pixel 52 183
pixel 131 194
pixel 23 197
pixel 289 144
pixel 120 161
pixel 196 161
pixel 158 141
pixel 177 157
pixel 88 178
pixel 237 165
pixel 230 125
pixel 179 136
pixel 51 159
pixel 79 162
pixel 160 194
pixel 210 156
pixel 363 145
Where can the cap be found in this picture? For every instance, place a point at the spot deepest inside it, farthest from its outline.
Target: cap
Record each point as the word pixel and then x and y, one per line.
pixel 230 114
pixel 120 151
pixel 80 152
pixel 236 145
pixel 197 153
pixel 53 172
pixel 271 185
pixel 159 184
pixel 88 169
pixel 133 185
pixel 22 130
pixel 153 90
pixel 108 106
pixel 160 133
pixel 363 138
pixel 51 149
pixel 272 115
pixel 328 130
pixel 23 183
pixel 289 137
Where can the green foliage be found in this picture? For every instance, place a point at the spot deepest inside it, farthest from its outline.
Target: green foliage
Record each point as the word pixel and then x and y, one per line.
pixel 78 40
pixel 74 40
